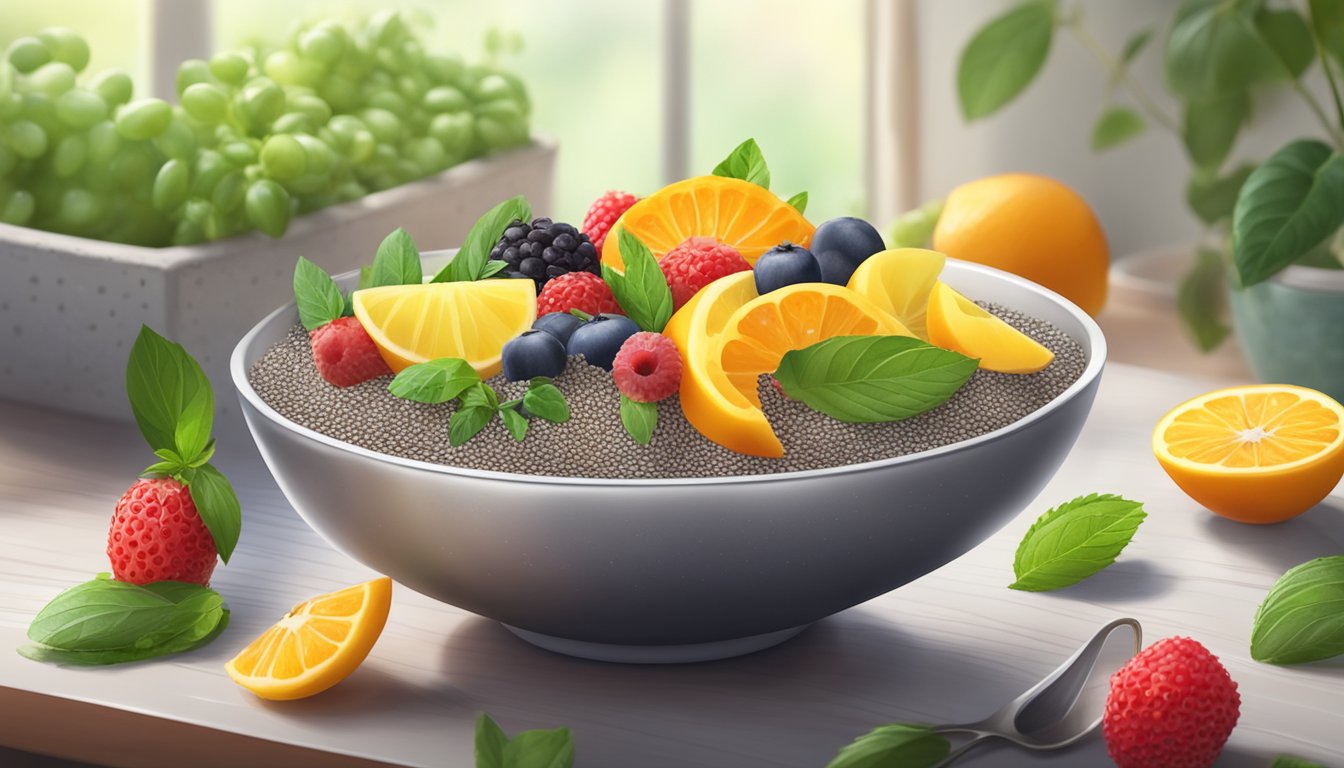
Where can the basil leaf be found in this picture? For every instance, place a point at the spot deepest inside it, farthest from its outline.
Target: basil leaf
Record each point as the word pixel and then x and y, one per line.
pixel 639 419
pixel 397 262
pixel 1075 540
pixel 545 400
pixel 799 202
pixel 1214 49
pixel 492 267
pixel 642 291
pixel 866 379
pixel 1288 205
pixel 1116 126
pixel 318 299
pixel 470 262
pixel 514 422
pixel 747 163
pixel 103 614
pixel 899 745
pixel 467 422
pixel 1327 18
pixel 1003 58
pixel 1200 300
pixel 1212 198
pixel 1211 127
pixel 540 749
pixel 436 381
pixel 1288 761
pixel 490 743
pixel 1287 34
pixel 218 507
pixel 201 633
pixel 365 278
pixel 1302 617
pixel 480 395
pixel 170 396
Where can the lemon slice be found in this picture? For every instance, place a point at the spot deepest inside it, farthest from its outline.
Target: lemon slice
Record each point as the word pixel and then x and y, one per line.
pixel 900 281
pixel 316 645
pixel 469 320
pixel 959 324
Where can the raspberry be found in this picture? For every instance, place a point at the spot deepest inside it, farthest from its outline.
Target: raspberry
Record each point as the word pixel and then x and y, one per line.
pixel 648 367
pixel 696 263
pixel 344 354
pixel 604 213
pixel 157 535
pixel 583 291
pixel 1172 705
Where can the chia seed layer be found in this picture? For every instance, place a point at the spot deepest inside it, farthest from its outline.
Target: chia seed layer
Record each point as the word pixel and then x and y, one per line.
pixel 594 444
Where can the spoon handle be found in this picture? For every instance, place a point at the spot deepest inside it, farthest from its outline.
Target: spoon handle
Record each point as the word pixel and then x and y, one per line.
pixel 961 750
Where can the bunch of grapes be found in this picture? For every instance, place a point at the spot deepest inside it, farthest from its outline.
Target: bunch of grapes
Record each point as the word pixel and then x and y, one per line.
pixel 258 136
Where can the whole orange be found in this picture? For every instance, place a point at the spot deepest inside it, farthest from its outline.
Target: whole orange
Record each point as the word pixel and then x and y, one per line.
pixel 1031 226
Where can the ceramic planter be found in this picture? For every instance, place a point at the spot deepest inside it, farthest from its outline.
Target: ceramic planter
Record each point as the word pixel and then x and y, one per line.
pixel 1292 328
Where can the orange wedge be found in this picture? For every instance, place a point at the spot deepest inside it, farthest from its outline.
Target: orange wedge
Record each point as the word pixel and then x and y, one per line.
pixel 959 324
pixel 744 215
pixel 1256 454
pixel 316 645
pixel 469 320
pixel 900 281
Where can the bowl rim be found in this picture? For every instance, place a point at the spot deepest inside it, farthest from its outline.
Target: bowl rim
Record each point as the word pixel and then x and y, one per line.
pixel 1091 372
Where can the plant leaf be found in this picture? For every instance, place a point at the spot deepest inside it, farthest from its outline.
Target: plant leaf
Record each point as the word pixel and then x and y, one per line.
pixel 365 278
pixel 1327 19
pixel 470 261
pixel 746 162
pixel 1003 58
pixel 397 262
pixel 1201 298
pixel 1214 49
pixel 467 422
pixel 490 743
pixel 1212 198
pixel 492 267
pixel 1288 761
pixel 866 379
pixel 201 633
pixel 642 291
pixel 1288 205
pixel 316 295
pixel 639 419
pixel 218 507
pixel 1211 126
pixel 899 745
pixel 435 381
pixel 480 395
pixel 1074 541
pixel 1116 126
pixel 170 396
pixel 104 615
pixel 514 422
pixel 540 749
pixel 1288 36
pixel 1302 617
pixel 799 202
pixel 545 400
pixel 1135 45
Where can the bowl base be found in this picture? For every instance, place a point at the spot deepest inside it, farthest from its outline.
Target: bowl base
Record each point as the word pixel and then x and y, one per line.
pixel 658 654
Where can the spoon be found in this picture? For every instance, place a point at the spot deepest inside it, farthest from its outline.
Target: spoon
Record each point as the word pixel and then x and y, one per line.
pixel 1062 708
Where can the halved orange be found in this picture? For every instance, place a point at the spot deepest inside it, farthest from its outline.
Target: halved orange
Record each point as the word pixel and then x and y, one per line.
pixel 1256 454
pixel 744 215
pixel 959 324
pixel 316 645
pixel 468 320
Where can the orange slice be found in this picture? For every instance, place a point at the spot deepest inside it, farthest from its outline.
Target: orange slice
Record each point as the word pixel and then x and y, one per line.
pixel 744 215
pixel 468 320
pixel 1256 454
pixel 900 281
pixel 959 324
pixel 316 645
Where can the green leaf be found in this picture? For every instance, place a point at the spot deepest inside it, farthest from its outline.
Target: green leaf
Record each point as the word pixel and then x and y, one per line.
pixel 365 278
pixel 540 749
pixel 1211 197
pixel 745 162
pixel 493 267
pixel 1214 49
pixel 1135 45
pixel 107 615
pixel 170 396
pixel 1327 19
pixel 1288 36
pixel 467 422
pixel 799 202
pixel 1211 126
pixel 480 395
pixel 1003 58
pixel 316 294
pixel 639 419
pixel 1287 206
pixel 914 229
pixel 397 262
pixel 899 745
pixel 1302 617
pixel 642 291
pixel 490 743
pixel 436 381
pixel 545 400
pixel 1116 126
pixel 1288 761
pixel 218 508
pixel 1201 298
pixel 470 262
pixel 201 633
pixel 866 379
pixel 1074 541
pixel 514 422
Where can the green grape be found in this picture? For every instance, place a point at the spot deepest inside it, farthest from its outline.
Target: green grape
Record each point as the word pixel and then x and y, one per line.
pixel 287 68
pixel 501 109
pixel 229 192
pixel 406 169
pixel 8 160
pixel 103 142
pixel 384 155
pixel 307 185
pixel 319 156
pixel 498 134
pixel 390 102
pixel 52 79
pixel 262 101
pixel 135 166
pixel 267 206
pixel 340 92
pixel 66 46
pixel 79 207
pixel 197 211
pixel 229 67
pixel 413 86
pixel 171 185
pixel 362 145
pixel 321 46
pixel 41 109
pixel 444 68
pixel 71 153
pixel 80 109
pixel 454 131
pixel 206 102
pixel 317 110
pixel 428 153
pixel 384 125
pixel 191 72
pixel 412 55
pixel 27 54
pixel 240 153
pixel 283 157
pixel 19 208
pixel 293 122
pixel 177 140
pixel 209 168
pixel 445 98
pixel 114 86
pixel 351 190
pixel 492 87
pixel 27 139
pixel 386 27
pixel 188 233
pixel 144 119
pixel 11 104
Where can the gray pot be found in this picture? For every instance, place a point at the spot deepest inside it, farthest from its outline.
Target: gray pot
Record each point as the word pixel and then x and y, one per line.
pixel 1291 328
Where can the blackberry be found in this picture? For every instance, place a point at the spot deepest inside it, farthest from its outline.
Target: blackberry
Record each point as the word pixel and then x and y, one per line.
pixel 545 249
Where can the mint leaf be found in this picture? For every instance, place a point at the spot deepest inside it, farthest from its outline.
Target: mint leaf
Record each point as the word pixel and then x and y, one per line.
pixel 1302 617
pixel 397 262
pixel 1003 58
pixel 866 379
pixel 105 615
pixel 799 202
pixel 899 745
pixel 480 395
pixel 1116 126
pixel 202 632
pixel 545 400
pixel 1288 761
pixel 470 261
pixel 746 162
pixel 540 749
pixel 365 278
pixel 514 422
pixel 170 396
pixel 639 419
pixel 467 422
pixel 1074 541
pixel 436 381
pixel 642 291
pixel 490 743
pixel 1288 205
pixel 218 507
pixel 316 295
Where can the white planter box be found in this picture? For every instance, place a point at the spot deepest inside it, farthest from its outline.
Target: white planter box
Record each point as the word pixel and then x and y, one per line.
pixel 71 307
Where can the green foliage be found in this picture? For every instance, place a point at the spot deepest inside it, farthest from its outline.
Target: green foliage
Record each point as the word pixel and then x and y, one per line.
pixel 1074 541
pixel 1299 620
pixel 1116 126
pixel 899 745
pixel 1003 58
pixel 1288 206
pixel 1200 300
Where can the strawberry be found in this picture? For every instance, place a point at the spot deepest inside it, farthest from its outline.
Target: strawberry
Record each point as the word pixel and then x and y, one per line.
pixel 583 291
pixel 696 263
pixel 344 353
pixel 603 213
pixel 157 535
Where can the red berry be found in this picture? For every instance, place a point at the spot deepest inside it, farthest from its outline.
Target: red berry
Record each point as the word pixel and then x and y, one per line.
pixel 344 353
pixel 696 263
pixel 1172 705
pixel 583 291
pixel 603 214
pixel 647 368
pixel 157 535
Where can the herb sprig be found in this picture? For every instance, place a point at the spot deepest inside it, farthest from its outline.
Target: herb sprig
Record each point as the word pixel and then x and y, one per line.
pixel 452 379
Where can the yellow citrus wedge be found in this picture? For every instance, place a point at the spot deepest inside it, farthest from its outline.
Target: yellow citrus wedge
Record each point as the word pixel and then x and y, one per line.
pixel 469 320
pixel 742 214
pixel 900 281
pixel 959 324
pixel 316 645
pixel 1256 454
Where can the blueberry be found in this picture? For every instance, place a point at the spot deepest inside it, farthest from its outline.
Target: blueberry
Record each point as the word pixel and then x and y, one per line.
pixel 599 339
pixel 533 353
pixel 841 245
pixel 561 325
pixel 785 264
